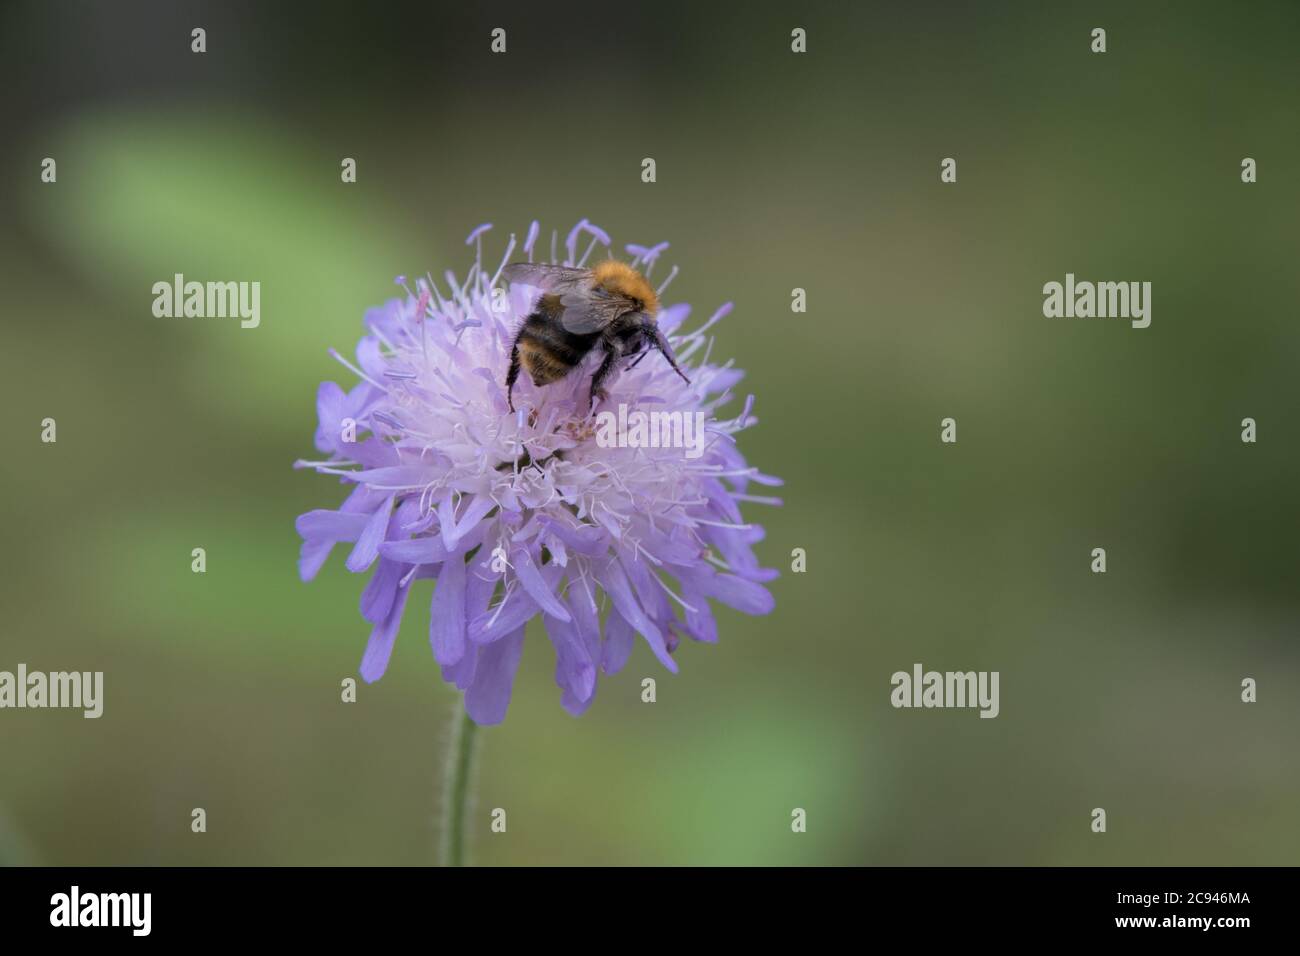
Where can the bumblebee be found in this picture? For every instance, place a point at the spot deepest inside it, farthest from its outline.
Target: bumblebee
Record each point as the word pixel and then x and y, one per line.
pixel 610 306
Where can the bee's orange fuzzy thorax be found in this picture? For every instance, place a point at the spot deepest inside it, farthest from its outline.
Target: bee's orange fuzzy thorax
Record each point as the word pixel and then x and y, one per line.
pixel 621 278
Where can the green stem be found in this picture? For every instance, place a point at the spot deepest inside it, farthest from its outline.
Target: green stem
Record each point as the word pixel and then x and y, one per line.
pixel 460 766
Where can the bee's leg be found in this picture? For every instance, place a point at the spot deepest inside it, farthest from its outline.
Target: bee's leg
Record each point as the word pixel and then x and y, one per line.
pixel 644 352
pixel 513 374
pixel 612 355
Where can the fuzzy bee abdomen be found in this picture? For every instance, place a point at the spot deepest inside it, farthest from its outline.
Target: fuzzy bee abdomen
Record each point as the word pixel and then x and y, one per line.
pixel 548 351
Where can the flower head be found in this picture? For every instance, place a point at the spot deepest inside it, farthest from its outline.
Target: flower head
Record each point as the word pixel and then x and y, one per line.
pixel 547 510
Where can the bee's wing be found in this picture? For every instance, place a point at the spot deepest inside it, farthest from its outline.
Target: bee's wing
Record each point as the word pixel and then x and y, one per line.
pixel 551 279
pixel 586 310
pixel 590 310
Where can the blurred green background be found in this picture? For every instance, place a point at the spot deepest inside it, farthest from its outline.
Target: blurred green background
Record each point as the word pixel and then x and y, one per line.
pixel 775 171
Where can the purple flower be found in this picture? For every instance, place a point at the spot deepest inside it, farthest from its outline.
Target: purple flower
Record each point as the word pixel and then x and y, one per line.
pixel 548 510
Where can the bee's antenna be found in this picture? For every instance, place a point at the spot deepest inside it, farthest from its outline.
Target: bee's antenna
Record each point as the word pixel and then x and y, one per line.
pixel 662 345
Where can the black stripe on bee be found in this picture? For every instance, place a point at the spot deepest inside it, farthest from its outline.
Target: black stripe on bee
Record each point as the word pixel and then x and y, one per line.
pixel 553 340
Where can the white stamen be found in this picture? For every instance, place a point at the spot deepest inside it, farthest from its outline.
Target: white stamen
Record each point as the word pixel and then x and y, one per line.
pixel 671 276
pixel 723 311
pixel 722 524
pixel 672 594
pixel 356 371
pixel 510 247
pixel 757 499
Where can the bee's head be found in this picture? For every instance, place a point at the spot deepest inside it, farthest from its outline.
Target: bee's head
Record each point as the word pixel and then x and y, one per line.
pixel 621 279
